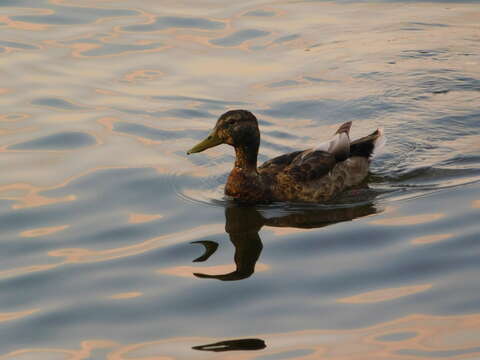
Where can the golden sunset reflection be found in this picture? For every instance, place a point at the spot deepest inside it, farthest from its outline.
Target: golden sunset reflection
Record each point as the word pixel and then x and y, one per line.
pixel 142 218
pixel 466 144
pixel 88 255
pixel 384 294
pixel 427 239
pixel 13 117
pixel 16 315
pixel 26 270
pixel 73 255
pixel 127 295
pixel 85 351
pixel 43 231
pixel 429 336
pixel 285 231
pixel 20 25
pixel 143 75
pixel 30 196
pixel 408 220
pixel 188 271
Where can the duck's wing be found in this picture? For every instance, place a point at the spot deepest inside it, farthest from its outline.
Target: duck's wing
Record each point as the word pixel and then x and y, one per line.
pixel 311 165
pixel 279 163
pixel 300 165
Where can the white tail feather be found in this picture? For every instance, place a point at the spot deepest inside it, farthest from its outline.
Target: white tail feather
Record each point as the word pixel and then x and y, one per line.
pixel 339 142
pixel 379 144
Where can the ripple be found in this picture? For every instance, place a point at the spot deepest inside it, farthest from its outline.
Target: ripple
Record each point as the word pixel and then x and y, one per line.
pixel 143 74
pixel 16 315
pixel 68 15
pixel 330 111
pixel 58 103
pixel 239 37
pixel 286 38
pixel 128 295
pixel 261 13
pixel 145 132
pixel 59 141
pixel 443 84
pixel 409 220
pixel 384 294
pixel 284 83
pixel 427 239
pixel 142 218
pixel 18 46
pixel 439 353
pixel 108 49
pixel 397 336
pixel 198 99
pixel 436 54
pixel 169 22
pixel 43 231
pixel 415 335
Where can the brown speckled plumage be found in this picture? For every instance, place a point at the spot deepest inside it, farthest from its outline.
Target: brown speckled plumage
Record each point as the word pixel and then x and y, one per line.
pixel 312 175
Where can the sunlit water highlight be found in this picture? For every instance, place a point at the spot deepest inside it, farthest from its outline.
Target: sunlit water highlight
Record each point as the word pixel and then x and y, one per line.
pixel 117 245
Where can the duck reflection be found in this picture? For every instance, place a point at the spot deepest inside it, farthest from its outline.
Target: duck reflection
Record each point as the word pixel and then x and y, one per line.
pixel 233 345
pixel 244 223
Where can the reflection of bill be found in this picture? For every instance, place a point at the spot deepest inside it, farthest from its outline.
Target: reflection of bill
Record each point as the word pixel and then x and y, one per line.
pixel 232 345
pixel 244 223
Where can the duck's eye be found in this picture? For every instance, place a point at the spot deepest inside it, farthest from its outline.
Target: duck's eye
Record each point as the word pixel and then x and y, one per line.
pixel 230 122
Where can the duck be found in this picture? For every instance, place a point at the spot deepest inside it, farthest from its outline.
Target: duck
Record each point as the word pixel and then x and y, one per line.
pixel 313 175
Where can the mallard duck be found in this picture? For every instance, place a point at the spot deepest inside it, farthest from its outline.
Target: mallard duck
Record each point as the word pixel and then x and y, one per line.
pixel 312 175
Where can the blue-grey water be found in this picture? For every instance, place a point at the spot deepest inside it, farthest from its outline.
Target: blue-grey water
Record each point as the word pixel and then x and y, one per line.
pixel 116 245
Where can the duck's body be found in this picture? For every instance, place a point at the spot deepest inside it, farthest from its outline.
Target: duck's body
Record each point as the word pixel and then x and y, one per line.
pixel 312 175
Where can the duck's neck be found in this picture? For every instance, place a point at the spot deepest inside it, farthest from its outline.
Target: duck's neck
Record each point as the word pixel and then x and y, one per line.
pixel 246 157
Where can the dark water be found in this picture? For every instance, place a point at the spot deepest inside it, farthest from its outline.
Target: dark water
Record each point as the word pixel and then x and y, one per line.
pixel 117 245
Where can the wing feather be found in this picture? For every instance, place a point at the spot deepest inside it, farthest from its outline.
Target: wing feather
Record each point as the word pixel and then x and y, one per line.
pixel 313 165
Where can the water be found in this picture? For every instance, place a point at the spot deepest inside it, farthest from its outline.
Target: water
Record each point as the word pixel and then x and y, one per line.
pixel 117 245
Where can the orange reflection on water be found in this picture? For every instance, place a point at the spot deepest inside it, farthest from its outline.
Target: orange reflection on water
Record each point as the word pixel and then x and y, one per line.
pixel 476 204
pixel 142 218
pixel 384 294
pixel 13 117
pixel 408 220
pixel 20 25
pixel 43 231
pixel 283 231
pixel 79 48
pixel 232 67
pixel 464 144
pixel 127 295
pixel 427 239
pixel 187 271
pixel 16 315
pixel 86 255
pixel 143 74
pixel 408 338
pixel 85 351
pixel 30 196
pixel 109 123
pixel 27 269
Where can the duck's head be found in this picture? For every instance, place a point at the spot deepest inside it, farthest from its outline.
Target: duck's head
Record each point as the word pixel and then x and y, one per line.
pixel 236 128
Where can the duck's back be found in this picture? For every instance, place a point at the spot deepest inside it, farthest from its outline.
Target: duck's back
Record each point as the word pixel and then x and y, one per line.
pixel 316 175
